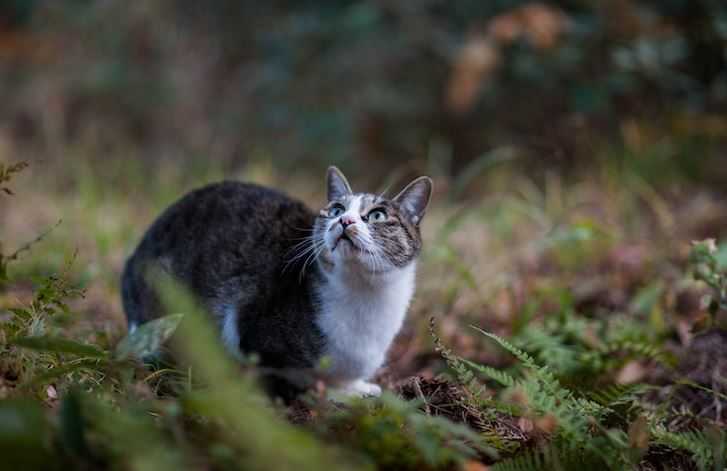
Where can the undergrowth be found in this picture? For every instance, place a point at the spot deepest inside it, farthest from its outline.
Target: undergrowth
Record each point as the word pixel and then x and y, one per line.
pixel 75 396
pixel 581 416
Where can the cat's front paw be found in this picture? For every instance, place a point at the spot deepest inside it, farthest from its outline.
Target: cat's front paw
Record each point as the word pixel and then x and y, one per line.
pixel 358 388
pixel 367 389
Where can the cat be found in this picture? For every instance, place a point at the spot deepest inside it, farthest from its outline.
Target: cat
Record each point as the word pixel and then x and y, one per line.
pixel 290 285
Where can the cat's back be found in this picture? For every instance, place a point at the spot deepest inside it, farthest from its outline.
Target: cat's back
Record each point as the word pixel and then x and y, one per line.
pixel 219 238
pixel 227 217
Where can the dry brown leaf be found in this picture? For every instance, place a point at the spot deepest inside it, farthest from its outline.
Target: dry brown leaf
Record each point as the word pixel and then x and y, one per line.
pixel 539 23
pixel 639 434
pixel 684 330
pixel 632 372
pixel 505 28
pixel 526 425
pixel 475 63
pixel 475 466
pixel 547 423
pixel 543 24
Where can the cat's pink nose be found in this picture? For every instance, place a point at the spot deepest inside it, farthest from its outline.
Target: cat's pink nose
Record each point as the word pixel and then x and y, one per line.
pixel 346 220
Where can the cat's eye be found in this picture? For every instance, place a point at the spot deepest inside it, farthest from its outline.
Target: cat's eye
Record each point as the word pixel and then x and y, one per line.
pixel 336 210
pixel 377 215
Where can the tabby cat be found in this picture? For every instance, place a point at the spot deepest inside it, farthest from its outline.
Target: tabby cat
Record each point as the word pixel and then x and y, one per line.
pixel 288 284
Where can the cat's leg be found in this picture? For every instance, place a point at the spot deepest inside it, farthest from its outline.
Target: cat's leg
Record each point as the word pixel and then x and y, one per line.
pixel 357 388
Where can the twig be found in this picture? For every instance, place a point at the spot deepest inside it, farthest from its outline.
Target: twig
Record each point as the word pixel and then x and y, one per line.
pixel 420 395
pixel 27 246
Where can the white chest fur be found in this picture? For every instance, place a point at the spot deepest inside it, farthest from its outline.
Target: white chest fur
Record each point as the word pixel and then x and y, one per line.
pixel 360 318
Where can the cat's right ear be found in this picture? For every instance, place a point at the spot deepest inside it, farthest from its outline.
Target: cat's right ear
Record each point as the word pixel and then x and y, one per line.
pixel 337 184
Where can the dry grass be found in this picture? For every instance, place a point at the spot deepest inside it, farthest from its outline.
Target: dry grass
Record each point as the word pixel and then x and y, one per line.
pixel 603 255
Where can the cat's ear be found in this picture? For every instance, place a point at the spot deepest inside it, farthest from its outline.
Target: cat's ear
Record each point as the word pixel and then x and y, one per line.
pixel 414 199
pixel 337 184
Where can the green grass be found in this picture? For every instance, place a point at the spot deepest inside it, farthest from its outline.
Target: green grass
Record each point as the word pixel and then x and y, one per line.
pixel 585 301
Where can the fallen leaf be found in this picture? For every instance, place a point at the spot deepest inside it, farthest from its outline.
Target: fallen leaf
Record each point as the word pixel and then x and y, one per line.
pixel 632 372
pixel 475 466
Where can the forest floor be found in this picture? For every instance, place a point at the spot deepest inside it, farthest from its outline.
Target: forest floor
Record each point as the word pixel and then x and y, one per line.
pixel 556 324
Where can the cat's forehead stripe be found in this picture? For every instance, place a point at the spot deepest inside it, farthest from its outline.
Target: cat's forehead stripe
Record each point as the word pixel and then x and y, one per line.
pixel 362 200
pixel 355 204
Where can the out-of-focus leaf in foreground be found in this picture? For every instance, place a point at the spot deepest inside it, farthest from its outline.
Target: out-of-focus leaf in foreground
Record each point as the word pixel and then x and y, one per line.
pixel 148 338
pixel 59 345
pixel 24 436
pixel 249 424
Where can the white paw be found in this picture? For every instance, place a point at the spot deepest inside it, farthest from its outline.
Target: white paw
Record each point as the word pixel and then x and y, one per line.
pixel 358 388
pixel 367 389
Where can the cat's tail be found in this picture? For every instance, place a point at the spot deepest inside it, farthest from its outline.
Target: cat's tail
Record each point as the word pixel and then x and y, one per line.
pixel 127 296
pixel 139 298
pixel 133 292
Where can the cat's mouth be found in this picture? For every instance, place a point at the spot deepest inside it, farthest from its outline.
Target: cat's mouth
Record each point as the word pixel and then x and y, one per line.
pixel 344 237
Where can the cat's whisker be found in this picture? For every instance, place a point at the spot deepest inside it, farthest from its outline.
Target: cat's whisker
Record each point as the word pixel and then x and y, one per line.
pixel 304 229
pixel 305 248
pixel 300 238
pixel 374 249
pixel 303 252
pixel 369 248
pixel 378 262
pixel 311 258
pixel 304 240
pixel 380 196
pixel 305 243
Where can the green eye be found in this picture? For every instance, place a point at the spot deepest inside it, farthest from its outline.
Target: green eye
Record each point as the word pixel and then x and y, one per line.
pixel 377 215
pixel 336 210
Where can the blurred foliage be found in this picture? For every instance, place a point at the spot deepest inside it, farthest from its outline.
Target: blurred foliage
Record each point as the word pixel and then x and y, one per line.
pixel 92 405
pixel 594 304
pixel 396 435
pixel 707 268
pixel 611 426
pixel 429 84
pixel 586 285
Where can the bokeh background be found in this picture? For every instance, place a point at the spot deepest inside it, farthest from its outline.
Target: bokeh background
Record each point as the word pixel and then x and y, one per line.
pixel 374 86
pixel 578 142
pixel 577 148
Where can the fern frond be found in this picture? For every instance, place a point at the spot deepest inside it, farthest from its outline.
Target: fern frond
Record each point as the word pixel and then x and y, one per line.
pixel 617 394
pixel 551 385
pixel 551 348
pixel 637 349
pixel 692 441
pixel 550 457
pixel 521 355
pixel 501 377
pixel 462 371
pixel 526 461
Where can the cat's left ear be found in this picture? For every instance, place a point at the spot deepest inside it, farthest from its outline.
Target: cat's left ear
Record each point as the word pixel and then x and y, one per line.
pixel 414 199
pixel 337 184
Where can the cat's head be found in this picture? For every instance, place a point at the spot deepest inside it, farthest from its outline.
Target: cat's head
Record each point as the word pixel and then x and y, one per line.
pixel 370 232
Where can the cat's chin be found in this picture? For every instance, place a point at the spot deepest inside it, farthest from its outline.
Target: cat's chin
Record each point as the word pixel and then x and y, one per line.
pixel 345 245
pixel 360 265
pixel 350 257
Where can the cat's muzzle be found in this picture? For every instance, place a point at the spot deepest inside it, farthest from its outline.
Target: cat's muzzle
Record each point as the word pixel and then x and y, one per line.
pixel 345 237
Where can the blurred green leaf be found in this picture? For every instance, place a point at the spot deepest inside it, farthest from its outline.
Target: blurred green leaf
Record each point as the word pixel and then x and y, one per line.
pixel 251 426
pixel 148 338
pixel 647 298
pixel 59 345
pixel 479 165
pixel 130 436
pixel 57 372
pixel 24 436
pixel 72 430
